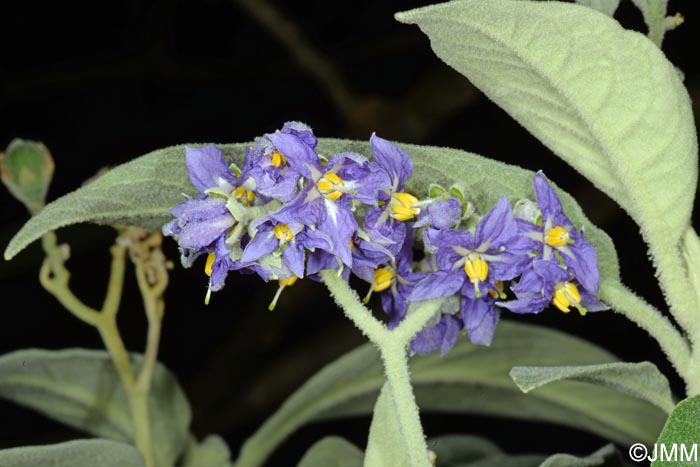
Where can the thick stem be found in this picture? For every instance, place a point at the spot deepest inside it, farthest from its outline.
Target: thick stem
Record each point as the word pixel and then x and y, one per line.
pixel 392 346
pixel 393 352
pixel 674 345
pixel 348 301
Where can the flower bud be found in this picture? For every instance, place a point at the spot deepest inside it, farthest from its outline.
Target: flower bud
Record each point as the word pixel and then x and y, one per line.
pixel 26 169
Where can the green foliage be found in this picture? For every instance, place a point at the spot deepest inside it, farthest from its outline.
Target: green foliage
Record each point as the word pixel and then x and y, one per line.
pixel 80 453
pixel 654 13
pixel 81 388
pixel 143 191
pixel 607 7
pixel 469 379
pixel 26 169
pixel 332 451
pixel 603 98
pixel 642 380
pixel 211 452
pixel 606 456
pixel 683 430
pixel 385 446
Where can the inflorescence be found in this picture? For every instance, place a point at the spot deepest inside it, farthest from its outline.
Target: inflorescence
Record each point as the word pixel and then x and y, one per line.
pixel 290 213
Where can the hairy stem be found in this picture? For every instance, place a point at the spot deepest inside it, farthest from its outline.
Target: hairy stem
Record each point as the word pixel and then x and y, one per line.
pixel 674 345
pixel 348 301
pixel 392 346
pixel 394 355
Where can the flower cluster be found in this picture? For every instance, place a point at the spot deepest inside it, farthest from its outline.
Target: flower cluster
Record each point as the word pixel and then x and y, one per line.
pixel 290 213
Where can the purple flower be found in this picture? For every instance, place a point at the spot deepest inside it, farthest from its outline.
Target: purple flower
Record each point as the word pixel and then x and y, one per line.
pixel 441 336
pixel 441 214
pixel 473 263
pixel 546 282
pixel 558 238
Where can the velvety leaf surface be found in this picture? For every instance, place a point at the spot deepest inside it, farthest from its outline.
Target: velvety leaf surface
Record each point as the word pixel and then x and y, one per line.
pixel 606 456
pixel 385 446
pixel 470 379
pixel 642 380
pixel 607 7
pixel 603 98
pixel 332 451
pixel 212 451
pixel 80 453
pixel 682 430
pixel 81 388
pixel 143 191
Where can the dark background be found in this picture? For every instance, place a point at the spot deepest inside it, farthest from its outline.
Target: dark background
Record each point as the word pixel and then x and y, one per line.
pixel 103 82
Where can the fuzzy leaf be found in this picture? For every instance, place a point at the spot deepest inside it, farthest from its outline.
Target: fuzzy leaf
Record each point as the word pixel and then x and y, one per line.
pixel 469 379
pixel 682 430
pixel 385 446
pixel 143 191
pixel 607 7
pixel 81 388
pixel 332 451
pixel 642 380
pixel 604 99
pixel 211 452
pixel 80 453
pixel 606 456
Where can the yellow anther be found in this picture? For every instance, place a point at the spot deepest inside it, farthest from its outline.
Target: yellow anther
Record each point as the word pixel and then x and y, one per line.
pixel 567 295
pixel 557 236
pixel 241 192
pixel 383 278
pixel 278 158
pixel 283 284
pixel 329 186
pixel 210 261
pixel 288 282
pixel 477 269
pixel 283 233
pixel 402 206
pixel 498 292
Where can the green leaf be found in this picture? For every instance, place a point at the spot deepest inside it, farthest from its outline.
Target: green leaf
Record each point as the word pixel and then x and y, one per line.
pixel 642 380
pixel 385 446
pixel 474 451
pixel 682 430
pixel 605 456
pixel 604 99
pixel 82 389
pixel 332 451
pixel 654 13
pixel 211 452
pixel 143 191
pixel 607 7
pixel 80 453
pixel 470 379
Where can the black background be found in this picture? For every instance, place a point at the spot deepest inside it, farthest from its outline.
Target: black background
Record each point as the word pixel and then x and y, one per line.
pixel 103 82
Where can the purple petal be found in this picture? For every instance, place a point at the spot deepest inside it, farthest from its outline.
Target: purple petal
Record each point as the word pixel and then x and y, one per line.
pixel 438 284
pixel 301 131
pixel 443 214
pixel 207 167
pixel 546 197
pixel 198 234
pixel 582 259
pixel 393 159
pixel 293 255
pixel 299 155
pixel 263 244
pixel 480 319
pixel 497 227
